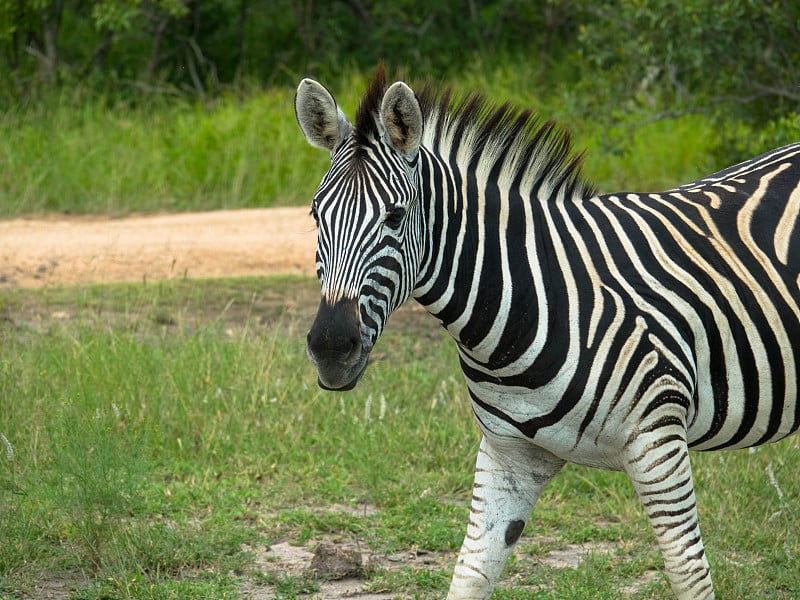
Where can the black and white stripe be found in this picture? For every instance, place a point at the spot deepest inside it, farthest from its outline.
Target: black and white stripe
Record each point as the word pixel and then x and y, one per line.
pixel 614 330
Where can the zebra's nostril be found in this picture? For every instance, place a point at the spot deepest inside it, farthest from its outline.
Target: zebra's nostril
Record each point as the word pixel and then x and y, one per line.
pixel 355 343
pixel 348 348
pixel 335 335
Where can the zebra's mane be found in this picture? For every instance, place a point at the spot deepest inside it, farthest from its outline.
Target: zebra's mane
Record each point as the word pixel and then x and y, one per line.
pixel 540 153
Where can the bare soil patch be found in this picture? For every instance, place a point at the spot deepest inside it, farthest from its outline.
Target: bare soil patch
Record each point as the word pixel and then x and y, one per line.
pixel 80 250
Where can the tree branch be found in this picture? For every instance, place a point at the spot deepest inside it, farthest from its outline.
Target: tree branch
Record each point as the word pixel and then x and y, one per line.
pixel 693 110
pixel 99 53
pixel 780 92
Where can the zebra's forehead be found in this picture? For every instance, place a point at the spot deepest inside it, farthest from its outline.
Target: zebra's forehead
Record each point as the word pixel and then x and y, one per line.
pixel 366 172
pixel 360 189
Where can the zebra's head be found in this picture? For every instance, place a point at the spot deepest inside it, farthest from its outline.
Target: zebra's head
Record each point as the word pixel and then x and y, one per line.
pixel 366 206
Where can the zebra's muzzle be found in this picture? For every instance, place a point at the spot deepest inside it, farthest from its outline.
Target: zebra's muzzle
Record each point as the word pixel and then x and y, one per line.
pixel 335 347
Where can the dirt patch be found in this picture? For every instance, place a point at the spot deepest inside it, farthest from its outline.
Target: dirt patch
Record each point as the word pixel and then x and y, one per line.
pixel 55 251
pixel 59 587
pixel 341 570
pixel 81 250
pixel 337 570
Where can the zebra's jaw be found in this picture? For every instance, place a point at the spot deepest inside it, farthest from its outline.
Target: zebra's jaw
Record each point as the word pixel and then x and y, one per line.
pixel 335 346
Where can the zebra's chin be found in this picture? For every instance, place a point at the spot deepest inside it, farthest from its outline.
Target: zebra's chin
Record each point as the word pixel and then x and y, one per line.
pixel 335 379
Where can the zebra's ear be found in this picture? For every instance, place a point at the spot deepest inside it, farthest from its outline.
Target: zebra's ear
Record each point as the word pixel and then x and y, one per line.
pixel 401 116
pixel 321 120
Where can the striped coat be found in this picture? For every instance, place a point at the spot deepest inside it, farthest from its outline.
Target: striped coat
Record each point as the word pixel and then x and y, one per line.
pixel 614 330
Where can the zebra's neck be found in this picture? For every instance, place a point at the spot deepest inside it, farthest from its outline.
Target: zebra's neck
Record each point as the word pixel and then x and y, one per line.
pixel 490 267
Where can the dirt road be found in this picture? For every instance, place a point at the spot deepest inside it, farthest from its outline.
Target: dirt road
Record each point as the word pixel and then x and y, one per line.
pixel 74 250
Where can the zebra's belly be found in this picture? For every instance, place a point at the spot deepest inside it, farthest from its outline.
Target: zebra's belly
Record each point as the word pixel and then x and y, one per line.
pixel 529 415
pixel 592 432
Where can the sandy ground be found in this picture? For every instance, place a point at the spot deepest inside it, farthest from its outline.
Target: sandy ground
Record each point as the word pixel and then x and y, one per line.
pixel 75 250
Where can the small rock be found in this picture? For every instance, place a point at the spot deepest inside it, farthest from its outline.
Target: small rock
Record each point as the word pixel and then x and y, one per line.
pixel 333 562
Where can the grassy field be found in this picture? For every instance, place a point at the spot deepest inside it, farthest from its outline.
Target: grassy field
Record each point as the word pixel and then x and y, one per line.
pixel 156 439
pixel 79 153
pixel 91 155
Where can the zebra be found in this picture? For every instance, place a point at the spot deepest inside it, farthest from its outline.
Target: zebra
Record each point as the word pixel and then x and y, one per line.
pixel 614 330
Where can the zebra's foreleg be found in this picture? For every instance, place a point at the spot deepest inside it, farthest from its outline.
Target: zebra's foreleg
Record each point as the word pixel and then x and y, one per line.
pixel 662 476
pixel 509 476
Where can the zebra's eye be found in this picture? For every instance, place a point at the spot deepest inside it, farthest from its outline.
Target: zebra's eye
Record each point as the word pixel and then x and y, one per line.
pixel 394 216
pixel 314 214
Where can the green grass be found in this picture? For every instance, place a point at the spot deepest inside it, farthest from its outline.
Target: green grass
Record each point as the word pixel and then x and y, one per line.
pixel 159 433
pixel 653 156
pixel 89 155
pixel 82 154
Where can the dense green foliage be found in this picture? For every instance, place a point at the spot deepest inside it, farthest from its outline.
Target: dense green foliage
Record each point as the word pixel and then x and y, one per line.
pixel 131 105
pixel 734 59
pixel 81 154
pixel 730 51
pixel 200 46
